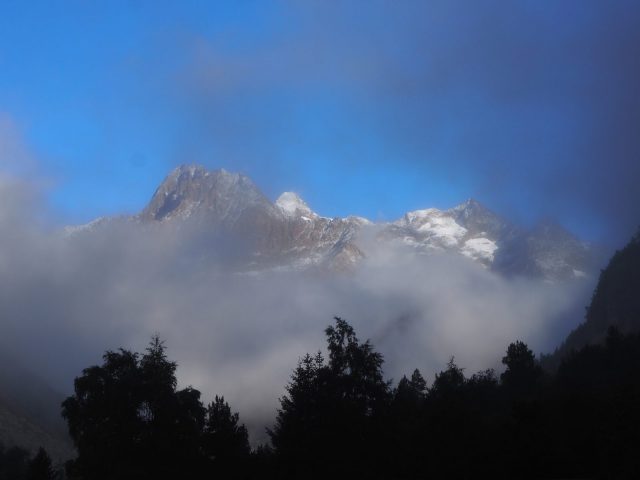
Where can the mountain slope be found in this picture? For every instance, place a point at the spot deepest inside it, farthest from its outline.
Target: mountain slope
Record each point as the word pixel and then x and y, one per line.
pixel 615 303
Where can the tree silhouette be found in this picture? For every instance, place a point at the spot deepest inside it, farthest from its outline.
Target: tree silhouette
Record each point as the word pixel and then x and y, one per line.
pixel 333 410
pixel 40 467
pixel 522 372
pixel 225 441
pixel 409 394
pixel 406 426
pixel 128 421
pixel 448 382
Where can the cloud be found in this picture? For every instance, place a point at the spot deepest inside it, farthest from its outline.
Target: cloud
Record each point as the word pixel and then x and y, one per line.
pixel 67 299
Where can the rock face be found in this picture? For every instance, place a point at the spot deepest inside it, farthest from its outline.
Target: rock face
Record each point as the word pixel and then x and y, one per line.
pixel 220 197
pixel 287 234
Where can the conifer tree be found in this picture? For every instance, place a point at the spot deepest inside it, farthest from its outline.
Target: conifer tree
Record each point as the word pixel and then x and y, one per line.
pixel 40 467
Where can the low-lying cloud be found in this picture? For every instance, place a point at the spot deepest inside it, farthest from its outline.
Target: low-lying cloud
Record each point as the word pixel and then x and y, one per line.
pixel 64 300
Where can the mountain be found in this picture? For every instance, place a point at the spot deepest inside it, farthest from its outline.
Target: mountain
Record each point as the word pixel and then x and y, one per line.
pixel 228 208
pixel 547 250
pixel 615 303
pixel 469 229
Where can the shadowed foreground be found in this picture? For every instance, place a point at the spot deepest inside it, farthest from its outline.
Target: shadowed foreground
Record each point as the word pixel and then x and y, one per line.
pixel 341 419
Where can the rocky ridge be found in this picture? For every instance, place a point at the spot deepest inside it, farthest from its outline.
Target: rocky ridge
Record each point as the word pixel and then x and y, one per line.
pixel 288 234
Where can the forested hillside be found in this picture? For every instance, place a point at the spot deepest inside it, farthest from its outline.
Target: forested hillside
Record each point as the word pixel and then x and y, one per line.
pixel 615 302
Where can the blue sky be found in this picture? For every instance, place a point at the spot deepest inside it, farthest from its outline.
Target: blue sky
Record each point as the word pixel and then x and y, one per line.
pixel 365 107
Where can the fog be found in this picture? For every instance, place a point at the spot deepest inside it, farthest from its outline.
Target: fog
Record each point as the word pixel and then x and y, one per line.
pixel 66 299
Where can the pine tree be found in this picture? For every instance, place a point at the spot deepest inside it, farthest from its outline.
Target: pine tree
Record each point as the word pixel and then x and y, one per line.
pixel 40 467
pixel 522 371
pixel 225 439
pixel 333 410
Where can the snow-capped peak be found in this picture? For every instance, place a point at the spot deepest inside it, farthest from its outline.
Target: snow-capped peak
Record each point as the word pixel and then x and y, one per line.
pixel 291 204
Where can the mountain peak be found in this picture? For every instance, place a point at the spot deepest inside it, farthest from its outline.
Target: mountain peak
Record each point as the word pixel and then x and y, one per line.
pixel 291 204
pixel 188 172
pixel 189 169
pixel 190 189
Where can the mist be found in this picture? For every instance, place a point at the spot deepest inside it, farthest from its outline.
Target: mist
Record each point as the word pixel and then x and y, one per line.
pixel 67 298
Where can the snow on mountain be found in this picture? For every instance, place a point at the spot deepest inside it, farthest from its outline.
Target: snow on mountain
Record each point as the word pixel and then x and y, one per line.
pixel 291 204
pixel 287 234
pixel 478 220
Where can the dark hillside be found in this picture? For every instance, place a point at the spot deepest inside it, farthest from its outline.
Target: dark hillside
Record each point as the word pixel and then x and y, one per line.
pixel 615 303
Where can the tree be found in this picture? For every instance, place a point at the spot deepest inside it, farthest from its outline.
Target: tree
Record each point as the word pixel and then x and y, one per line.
pixel 106 417
pixel 522 371
pixel 128 421
pixel 409 394
pixel 525 436
pixel 449 381
pixel 405 426
pixel 40 467
pixel 299 427
pixel 225 440
pixel 356 369
pixel 334 409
